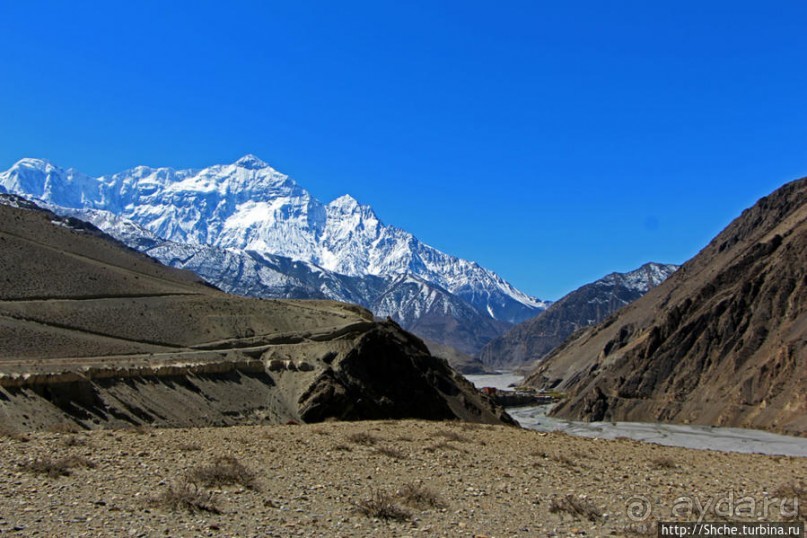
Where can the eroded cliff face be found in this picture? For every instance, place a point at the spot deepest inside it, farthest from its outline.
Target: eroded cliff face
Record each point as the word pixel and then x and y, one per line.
pixel 96 334
pixel 723 341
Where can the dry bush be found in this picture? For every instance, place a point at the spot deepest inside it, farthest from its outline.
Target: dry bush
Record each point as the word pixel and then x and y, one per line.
pixel 224 471
pixel 362 438
pixel 382 505
pixel 64 427
pixel 12 433
pixel 56 468
pixel 790 491
pixel 75 440
pixel 451 435
pixel 664 463
pixel 186 496
pixel 565 461
pixel 443 445
pixel 421 497
pixel 577 507
pixel 141 429
pixel 390 452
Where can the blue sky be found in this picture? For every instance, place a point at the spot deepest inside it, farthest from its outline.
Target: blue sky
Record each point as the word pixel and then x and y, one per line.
pixel 552 142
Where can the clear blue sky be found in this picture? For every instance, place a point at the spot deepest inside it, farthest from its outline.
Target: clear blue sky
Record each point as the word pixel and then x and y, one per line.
pixel 550 141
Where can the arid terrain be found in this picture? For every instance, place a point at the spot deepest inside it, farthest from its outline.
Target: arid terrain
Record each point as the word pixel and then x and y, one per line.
pixel 723 341
pixel 382 478
pixel 96 334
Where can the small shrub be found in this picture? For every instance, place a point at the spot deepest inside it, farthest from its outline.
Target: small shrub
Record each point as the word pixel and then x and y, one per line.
pixel 565 461
pixel 451 435
pixel 12 433
pixel 187 496
pixel 390 452
pixel 443 445
pixel 382 505
pixel 362 438
pixel 664 463
pixel 421 497
pixel 56 468
pixel 224 471
pixel 576 506
pixel 795 491
pixel 75 440
pixel 64 427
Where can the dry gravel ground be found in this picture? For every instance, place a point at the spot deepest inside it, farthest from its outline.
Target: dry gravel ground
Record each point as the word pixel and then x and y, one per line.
pixel 415 478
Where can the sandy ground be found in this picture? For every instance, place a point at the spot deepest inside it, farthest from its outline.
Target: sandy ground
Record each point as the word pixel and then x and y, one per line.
pixel 311 480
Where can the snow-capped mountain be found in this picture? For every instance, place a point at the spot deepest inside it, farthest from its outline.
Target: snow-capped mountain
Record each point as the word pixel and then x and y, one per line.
pixel 252 230
pixel 587 305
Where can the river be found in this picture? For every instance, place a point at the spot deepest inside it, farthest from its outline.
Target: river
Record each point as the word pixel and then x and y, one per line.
pixel 689 436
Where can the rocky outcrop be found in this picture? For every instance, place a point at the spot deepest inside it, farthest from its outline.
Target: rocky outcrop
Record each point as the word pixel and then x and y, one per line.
pixel 94 333
pixel 723 341
pixel 588 305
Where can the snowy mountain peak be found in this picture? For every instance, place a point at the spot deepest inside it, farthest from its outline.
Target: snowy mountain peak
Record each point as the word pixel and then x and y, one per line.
pixel 345 201
pixel 643 279
pixel 34 164
pixel 250 206
pixel 250 162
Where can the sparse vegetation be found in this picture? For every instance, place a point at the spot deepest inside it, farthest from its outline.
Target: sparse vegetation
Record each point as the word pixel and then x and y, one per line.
pixel 451 435
pixel 419 496
pixel 187 496
pixel 796 495
pixel 55 468
pixel 362 438
pixel 75 440
pixel 390 452
pixel 64 427
pixel 224 471
pixel 577 507
pixel 11 433
pixel 382 505
pixel 443 445
pixel 664 463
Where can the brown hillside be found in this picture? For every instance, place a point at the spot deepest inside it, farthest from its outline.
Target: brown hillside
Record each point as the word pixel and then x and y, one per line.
pixel 95 333
pixel 723 341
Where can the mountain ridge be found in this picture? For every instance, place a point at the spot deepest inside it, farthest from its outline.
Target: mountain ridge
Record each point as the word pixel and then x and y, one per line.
pixel 589 304
pixel 249 207
pixel 722 342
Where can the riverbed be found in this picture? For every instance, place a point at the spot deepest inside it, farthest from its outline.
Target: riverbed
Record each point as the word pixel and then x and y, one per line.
pixel 689 436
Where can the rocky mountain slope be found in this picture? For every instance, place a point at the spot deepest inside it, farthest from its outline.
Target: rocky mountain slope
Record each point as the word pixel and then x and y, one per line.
pixel 588 305
pixel 98 334
pixel 253 231
pixel 723 341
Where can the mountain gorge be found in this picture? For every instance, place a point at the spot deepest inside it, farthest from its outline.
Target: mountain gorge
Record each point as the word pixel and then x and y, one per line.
pixel 252 230
pixel 723 341
pixel 588 305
